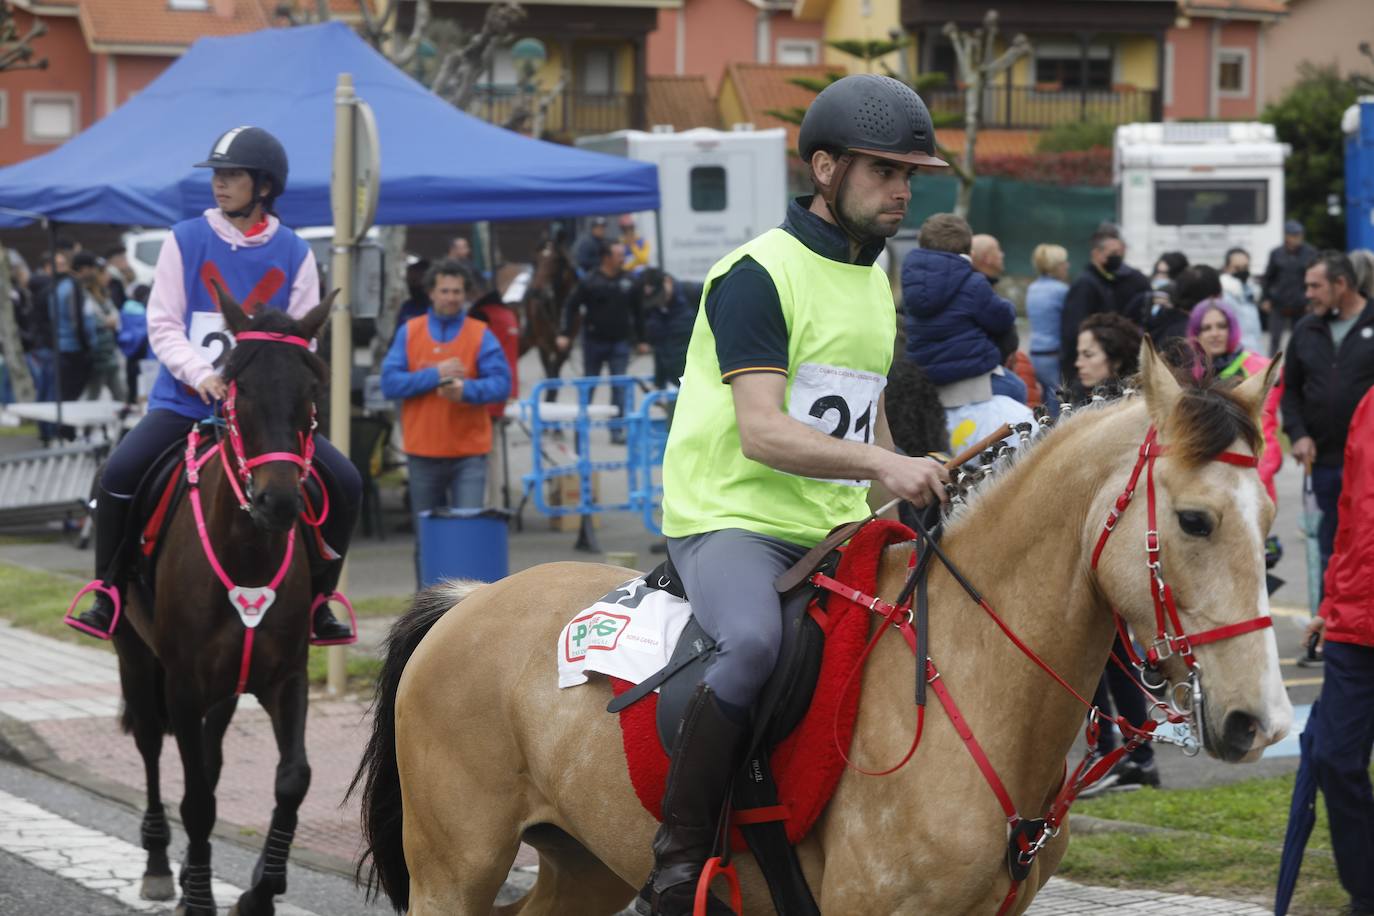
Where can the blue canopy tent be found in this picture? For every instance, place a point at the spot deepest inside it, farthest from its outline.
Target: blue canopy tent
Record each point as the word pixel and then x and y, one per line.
pixel 439 165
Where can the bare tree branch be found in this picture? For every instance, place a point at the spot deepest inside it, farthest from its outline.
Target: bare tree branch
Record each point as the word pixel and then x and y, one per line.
pixel 16 52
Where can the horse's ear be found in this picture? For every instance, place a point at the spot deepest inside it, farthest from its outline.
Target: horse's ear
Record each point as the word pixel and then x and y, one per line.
pixel 315 319
pixel 235 319
pixel 1255 389
pixel 1161 389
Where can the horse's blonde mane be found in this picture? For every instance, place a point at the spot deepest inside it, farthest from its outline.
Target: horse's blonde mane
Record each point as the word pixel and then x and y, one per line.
pixel 960 512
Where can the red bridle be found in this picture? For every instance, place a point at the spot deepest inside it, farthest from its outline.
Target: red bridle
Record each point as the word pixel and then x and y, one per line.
pixel 1178 642
pixel 244 464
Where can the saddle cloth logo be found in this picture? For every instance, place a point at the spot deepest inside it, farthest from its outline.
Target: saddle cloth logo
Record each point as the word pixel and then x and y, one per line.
pixel 630 633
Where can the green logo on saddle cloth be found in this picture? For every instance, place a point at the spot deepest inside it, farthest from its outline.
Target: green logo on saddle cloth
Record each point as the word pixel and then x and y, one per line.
pixel 597 631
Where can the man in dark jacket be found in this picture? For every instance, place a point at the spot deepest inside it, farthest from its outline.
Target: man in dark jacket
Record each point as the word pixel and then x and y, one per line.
pixel 1107 284
pixel 590 248
pixel 1328 368
pixel 669 313
pixel 611 322
pixel 1283 295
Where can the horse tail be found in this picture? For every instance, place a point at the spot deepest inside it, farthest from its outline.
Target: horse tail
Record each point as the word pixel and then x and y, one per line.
pixel 378 773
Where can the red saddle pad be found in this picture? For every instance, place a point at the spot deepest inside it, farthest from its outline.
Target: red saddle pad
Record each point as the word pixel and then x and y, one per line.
pixel 807 764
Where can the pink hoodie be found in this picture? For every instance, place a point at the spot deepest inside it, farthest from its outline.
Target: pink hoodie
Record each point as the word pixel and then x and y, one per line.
pixel 167 304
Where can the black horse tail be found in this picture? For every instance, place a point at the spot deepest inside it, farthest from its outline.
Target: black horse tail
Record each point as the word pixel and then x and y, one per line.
pixel 386 872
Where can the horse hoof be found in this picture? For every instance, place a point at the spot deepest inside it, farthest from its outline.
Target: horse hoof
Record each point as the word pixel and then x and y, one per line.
pixel 246 907
pixel 157 887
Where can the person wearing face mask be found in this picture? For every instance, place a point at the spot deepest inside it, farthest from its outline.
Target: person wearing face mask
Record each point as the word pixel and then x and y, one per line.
pixel 1159 295
pixel 1106 284
pixel 1243 292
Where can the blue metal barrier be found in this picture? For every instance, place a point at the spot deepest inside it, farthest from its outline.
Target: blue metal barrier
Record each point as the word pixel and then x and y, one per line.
pixel 644 427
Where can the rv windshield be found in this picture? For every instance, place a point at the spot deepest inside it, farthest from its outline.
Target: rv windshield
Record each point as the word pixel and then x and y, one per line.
pixel 1212 203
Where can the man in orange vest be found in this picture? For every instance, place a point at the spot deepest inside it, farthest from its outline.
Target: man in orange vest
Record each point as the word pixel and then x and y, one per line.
pixel 445 367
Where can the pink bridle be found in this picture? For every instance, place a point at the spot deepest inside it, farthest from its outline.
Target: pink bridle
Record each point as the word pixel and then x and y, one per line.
pixel 242 480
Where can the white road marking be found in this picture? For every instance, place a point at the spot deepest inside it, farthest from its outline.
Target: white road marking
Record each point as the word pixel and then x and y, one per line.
pixel 94 860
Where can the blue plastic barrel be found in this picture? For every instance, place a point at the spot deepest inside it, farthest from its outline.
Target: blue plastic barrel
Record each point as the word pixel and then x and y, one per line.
pixel 463 544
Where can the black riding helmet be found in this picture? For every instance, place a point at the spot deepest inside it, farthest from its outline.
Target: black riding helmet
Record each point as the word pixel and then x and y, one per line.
pixel 867 114
pixel 252 149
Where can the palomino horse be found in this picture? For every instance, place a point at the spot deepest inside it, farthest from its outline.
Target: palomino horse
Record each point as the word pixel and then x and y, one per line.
pixel 185 657
pixel 552 282
pixel 475 748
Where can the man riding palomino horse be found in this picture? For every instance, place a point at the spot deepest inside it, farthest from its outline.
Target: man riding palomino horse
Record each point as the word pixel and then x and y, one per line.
pixel 241 245
pixel 779 429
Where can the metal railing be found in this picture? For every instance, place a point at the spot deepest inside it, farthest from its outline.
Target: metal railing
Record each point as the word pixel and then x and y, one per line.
pixel 1032 108
pixel 573 113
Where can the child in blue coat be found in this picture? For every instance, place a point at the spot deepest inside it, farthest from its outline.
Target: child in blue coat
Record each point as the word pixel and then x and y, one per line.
pixel 956 326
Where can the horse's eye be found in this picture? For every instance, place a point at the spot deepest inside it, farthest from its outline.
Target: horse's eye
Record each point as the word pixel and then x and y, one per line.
pixel 1195 523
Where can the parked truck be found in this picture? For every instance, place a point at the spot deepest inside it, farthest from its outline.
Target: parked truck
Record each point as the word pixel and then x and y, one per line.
pixel 1199 188
pixel 718 190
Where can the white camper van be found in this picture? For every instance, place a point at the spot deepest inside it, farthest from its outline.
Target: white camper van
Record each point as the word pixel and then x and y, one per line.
pixel 1199 188
pixel 719 189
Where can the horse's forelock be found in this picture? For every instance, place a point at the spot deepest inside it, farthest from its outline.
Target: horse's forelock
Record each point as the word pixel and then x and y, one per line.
pixel 273 321
pixel 1206 420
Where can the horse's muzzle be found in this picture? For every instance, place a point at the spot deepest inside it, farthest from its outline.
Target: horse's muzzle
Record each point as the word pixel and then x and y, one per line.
pixel 275 509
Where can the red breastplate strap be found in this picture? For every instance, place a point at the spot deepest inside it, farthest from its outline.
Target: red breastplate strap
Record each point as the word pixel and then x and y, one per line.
pixel 1166 643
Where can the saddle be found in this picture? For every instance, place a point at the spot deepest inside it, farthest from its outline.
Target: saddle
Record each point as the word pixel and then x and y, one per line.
pixel 796 750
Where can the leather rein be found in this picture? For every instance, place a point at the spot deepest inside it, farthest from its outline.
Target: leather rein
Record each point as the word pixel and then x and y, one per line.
pixel 250 602
pixel 1028 836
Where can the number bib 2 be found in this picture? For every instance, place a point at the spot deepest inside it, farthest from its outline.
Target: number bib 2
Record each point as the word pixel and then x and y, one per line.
pixel 211 338
pixel 839 402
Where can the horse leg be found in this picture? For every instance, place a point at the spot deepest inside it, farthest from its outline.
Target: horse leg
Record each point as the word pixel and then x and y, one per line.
pixel 287 708
pixel 571 882
pixel 139 676
pixel 197 809
pixel 216 724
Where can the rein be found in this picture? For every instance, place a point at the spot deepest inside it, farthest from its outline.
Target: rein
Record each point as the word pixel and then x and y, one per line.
pixel 250 602
pixel 1028 836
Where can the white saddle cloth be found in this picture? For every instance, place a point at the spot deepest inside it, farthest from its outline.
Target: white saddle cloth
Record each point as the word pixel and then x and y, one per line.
pixel 629 634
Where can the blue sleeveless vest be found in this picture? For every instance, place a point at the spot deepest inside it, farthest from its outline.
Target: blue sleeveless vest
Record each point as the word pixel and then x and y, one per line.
pixel 256 276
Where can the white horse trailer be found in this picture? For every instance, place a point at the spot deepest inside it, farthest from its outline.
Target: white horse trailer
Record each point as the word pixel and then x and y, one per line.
pixel 718 190
pixel 1199 188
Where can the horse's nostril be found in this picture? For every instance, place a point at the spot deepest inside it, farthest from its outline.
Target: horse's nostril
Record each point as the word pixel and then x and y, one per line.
pixel 1239 733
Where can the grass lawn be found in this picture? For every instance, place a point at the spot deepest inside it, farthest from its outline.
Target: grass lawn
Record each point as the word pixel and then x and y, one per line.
pixel 1230 847
pixel 35 600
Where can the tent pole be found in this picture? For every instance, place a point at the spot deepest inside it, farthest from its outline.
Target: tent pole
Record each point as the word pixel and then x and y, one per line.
pixel 658 241
pixel 52 303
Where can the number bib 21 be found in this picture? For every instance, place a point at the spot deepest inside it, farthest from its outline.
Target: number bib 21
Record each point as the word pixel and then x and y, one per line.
pixel 839 402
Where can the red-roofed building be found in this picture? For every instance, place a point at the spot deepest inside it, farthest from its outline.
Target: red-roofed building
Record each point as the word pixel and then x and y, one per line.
pixel 1214 58
pixel 750 91
pixel 701 37
pixel 99 53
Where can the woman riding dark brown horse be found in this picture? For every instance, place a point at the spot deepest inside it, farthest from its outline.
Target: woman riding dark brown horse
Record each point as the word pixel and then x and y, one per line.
pixel 186 652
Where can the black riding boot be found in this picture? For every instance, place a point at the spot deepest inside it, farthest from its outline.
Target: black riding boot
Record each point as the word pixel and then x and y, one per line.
pixel 324 625
pixel 705 756
pixel 111 520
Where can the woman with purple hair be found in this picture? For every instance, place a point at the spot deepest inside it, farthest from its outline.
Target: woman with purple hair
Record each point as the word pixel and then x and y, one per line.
pixel 1214 331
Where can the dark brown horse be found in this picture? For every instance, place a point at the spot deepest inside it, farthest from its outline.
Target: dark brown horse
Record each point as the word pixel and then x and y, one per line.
pixel 185 654
pixel 552 281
